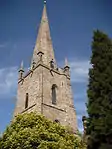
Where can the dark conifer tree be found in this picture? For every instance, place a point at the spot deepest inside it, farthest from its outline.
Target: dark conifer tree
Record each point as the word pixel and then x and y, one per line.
pixel 99 92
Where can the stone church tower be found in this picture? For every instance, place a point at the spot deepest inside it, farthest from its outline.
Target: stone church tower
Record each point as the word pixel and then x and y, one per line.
pixel 45 88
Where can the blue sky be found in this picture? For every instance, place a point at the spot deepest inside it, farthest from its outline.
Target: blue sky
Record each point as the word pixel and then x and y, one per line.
pixel 71 22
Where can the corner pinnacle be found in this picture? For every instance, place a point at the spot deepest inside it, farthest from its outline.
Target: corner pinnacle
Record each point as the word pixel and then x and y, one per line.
pixel 66 62
pixel 21 65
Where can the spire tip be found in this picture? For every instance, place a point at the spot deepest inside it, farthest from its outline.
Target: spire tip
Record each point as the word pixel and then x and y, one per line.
pixel 44 2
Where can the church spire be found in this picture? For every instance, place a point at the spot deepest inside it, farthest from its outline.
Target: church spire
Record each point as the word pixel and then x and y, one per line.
pixel 43 43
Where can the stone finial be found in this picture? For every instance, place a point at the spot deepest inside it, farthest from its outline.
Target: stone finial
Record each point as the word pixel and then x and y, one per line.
pixel 66 62
pixel 21 67
pixel 67 68
pixel 84 120
pixel 85 136
pixel 21 70
pixel 52 64
pixel 33 65
pixel 40 54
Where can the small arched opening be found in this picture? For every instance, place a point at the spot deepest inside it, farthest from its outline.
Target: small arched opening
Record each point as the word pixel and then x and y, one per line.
pixel 26 100
pixel 54 94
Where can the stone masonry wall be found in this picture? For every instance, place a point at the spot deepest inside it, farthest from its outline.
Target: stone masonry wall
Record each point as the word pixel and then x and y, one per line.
pixel 38 85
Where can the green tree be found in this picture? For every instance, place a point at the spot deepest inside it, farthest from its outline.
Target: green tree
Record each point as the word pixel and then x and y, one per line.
pixel 32 131
pixel 99 105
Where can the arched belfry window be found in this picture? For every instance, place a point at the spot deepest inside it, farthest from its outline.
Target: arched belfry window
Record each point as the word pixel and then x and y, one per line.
pixel 54 93
pixel 26 100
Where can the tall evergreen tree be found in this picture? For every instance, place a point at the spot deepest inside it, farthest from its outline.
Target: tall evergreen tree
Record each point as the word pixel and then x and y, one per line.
pixel 99 92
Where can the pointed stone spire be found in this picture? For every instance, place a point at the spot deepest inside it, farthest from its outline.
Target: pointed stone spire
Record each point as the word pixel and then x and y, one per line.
pixel 21 71
pixel 43 44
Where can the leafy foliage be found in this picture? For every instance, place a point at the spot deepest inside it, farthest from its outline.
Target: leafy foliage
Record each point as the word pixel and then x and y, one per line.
pixel 100 93
pixel 32 131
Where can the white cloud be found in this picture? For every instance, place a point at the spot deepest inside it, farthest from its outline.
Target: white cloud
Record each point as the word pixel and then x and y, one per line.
pixel 79 70
pixel 79 76
pixel 80 124
pixel 8 80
